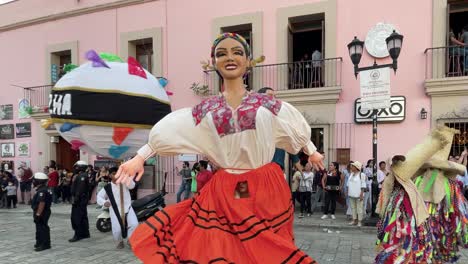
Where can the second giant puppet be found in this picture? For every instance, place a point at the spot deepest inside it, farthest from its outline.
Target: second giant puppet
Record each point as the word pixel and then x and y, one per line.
pixel 107 106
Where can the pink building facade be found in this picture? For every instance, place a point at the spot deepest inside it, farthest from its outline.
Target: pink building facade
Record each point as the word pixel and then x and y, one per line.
pixel 171 38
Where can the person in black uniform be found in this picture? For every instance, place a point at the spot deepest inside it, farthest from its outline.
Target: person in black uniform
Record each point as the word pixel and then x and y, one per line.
pixel 41 207
pixel 79 194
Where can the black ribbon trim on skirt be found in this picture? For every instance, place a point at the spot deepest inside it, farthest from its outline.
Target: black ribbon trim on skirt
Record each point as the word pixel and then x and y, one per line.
pixel 106 107
pixel 163 237
pixel 266 222
pixel 218 218
pixel 300 260
pixel 211 261
pixel 164 255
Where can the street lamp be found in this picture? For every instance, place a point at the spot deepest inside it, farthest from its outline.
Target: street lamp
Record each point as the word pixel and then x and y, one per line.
pixel 394 42
pixel 355 48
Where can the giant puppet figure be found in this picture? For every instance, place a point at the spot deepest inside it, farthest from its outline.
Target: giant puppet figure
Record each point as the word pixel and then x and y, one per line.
pixel 447 207
pixel 244 214
pixel 107 106
pixel 404 232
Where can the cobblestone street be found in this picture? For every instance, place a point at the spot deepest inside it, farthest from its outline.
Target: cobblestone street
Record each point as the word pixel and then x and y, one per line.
pixel 330 245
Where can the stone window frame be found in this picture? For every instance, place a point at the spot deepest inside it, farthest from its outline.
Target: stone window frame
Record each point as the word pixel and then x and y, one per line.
pixel 127 49
pixel 51 56
pixel 329 9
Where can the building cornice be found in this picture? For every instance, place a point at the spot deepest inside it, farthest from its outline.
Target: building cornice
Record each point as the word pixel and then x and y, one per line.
pixel 311 96
pixel 72 13
pixel 453 86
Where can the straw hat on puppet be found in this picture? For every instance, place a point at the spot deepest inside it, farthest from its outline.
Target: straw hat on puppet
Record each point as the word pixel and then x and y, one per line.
pixel 437 169
pixel 403 169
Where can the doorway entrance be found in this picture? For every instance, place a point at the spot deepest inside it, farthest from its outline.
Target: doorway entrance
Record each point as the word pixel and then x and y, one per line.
pixel 66 156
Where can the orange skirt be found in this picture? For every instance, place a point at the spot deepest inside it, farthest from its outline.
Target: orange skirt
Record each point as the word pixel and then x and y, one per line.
pixel 215 227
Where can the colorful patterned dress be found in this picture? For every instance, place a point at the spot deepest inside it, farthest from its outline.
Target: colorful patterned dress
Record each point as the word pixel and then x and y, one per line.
pixel 215 227
pixel 448 219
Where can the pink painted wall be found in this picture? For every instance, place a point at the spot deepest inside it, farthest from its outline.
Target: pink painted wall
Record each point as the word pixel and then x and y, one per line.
pixel 25 10
pixel 25 51
pixel 187 40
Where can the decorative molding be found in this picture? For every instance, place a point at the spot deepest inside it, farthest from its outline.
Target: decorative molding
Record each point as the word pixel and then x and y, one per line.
pixel 311 96
pixel 313 120
pixel 72 13
pixel 39 116
pixel 462 113
pixel 453 86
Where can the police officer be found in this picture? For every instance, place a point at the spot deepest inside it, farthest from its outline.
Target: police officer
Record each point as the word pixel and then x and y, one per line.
pixel 41 207
pixel 79 194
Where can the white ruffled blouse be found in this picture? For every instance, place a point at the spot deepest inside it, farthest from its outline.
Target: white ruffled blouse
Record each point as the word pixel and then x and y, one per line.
pixel 241 138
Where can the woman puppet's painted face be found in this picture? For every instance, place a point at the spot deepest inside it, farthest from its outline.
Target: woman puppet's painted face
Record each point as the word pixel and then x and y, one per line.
pixel 230 59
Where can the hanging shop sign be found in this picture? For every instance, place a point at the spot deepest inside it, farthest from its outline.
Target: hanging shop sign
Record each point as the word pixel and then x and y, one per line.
pixel 395 113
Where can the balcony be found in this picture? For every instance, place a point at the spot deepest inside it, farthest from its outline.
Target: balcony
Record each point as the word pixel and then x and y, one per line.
pixel 294 79
pixel 38 98
pixel 446 70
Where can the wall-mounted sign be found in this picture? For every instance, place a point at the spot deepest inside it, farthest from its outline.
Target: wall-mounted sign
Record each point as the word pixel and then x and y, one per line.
pixel 187 157
pixel 8 150
pixel 23 149
pixel 375 42
pixel 23 130
pixel 395 113
pixel 54 73
pixel 6 112
pixel 7 165
pixel 7 131
pixel 23 107
pixel 375 88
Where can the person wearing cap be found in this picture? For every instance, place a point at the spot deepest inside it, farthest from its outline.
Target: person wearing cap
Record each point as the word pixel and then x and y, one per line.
pixel 355 191
pixel 79 194
pixel 41 211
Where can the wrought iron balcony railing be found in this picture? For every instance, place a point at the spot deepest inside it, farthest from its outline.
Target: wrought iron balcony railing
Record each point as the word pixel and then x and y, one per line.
pixel 286 76
pixel 38 96
pixel 443 62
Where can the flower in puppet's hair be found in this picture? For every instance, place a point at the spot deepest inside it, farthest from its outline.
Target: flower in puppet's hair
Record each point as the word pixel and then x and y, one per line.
pixel 258 60
pixel 206 65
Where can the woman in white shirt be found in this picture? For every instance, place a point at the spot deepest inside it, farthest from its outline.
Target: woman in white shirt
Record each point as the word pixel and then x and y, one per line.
pixel 305 189
pixel 356 187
